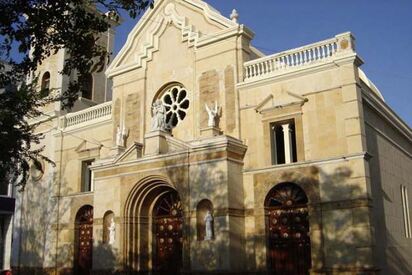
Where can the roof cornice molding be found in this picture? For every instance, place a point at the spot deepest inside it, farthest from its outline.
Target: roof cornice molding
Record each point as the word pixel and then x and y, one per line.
pixel 387 113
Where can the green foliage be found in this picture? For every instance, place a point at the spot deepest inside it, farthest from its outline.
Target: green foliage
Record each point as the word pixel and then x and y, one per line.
pixel 36 30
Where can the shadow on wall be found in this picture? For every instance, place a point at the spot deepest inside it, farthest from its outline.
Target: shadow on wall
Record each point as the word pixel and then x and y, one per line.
pixel 105 259
pixel 392 245
pixel 208 181
pixel 354 224
pixel 35 227
pixel 345 219
pixel 395 257
pixel 35 233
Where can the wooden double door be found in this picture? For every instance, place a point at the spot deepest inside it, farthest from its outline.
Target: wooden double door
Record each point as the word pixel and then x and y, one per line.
pixel 289 242
pixel 287 228
pixel 168 228
pixel 84 241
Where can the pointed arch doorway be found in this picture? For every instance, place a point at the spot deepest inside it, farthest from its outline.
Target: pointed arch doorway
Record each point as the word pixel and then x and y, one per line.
pixel 287 230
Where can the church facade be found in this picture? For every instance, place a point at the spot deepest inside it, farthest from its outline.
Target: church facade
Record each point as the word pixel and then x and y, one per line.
pixel 197 154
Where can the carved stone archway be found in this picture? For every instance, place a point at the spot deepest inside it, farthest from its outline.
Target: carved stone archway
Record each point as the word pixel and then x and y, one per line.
pixel 152 205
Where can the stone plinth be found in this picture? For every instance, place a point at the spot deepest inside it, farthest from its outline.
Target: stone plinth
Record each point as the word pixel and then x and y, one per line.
pixel 156 143
pixel 117 150
pixel 210 132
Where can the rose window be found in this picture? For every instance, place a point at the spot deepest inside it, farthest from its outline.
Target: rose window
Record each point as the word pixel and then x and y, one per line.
pixel 176 103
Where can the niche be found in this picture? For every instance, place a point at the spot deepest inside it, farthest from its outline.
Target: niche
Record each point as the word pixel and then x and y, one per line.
pixel 108 227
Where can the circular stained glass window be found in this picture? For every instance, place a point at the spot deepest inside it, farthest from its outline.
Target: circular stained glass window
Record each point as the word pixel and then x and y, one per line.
pixel 176 102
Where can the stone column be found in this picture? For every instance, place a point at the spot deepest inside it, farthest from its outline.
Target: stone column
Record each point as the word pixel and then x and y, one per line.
pixel 274 146
pixel 287 138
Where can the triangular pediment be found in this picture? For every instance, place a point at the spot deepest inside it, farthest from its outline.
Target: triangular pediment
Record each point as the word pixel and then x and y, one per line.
pixel 85 146
pixel 281 99
pixel 195 19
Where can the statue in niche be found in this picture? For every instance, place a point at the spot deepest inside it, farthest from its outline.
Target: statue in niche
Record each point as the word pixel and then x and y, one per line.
pixel 121 136
pixel 208 226
pixel 213 115
pixel 159 116
pixel 112 232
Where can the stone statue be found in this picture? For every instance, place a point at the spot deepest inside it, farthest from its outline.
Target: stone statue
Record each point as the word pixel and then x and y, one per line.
pixel 112 232
pixel 121 136
pixel 213 115
pixel 159 116
pixel 209 226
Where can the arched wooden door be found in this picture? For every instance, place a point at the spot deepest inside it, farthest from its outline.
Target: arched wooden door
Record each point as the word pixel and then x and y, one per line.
pixel 84 240
pixel 287 229
pixel 168 225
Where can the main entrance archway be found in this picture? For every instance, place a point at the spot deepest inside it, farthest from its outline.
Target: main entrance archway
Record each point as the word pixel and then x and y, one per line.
pixel 287 229
pixel 84 240
pixel 153 238
pixel 168 240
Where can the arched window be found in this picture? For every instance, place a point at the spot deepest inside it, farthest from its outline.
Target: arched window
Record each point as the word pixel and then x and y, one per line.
pixel 108 226
pixel 86 86
pixel 45 85
pixel 204 215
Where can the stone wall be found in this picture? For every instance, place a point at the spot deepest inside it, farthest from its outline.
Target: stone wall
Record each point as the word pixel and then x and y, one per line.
pixel 390 167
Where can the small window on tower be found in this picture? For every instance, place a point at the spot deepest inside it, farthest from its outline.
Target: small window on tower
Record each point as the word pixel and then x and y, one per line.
pixel 86 86
pixel 45 85
pixel 283 142
pixel 87 180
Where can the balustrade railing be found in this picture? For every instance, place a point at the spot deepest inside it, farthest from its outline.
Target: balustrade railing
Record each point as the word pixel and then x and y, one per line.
pixel 299 57
pixel 93 113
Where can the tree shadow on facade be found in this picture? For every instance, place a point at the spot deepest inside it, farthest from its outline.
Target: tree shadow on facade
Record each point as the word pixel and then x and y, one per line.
pixel 355 230
pixel 105 259
pixel 36 225
pixel 212 181
pixel 345 220
pixel 391 243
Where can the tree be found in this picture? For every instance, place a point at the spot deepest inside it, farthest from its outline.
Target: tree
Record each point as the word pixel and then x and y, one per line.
pixel 35 30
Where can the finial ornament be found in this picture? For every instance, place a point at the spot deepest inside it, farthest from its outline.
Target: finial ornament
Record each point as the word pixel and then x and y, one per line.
pixel 234 16
pixel 213 115
pixel 159 116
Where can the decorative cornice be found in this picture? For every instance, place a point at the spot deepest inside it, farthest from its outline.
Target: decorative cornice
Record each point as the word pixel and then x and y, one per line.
pixel 294 165
pixel 194 149
pixel 387 113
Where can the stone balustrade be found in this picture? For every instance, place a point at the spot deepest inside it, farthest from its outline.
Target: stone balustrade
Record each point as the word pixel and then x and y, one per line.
pixel 312 54
pixel 98 112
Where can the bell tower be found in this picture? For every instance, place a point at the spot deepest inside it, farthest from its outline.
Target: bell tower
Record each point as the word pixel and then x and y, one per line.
pixel 97 87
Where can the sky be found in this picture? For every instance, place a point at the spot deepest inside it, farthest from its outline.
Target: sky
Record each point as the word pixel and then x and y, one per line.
pixel 382 28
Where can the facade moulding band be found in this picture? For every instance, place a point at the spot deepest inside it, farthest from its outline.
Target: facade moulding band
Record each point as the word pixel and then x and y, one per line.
pixel 363 155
